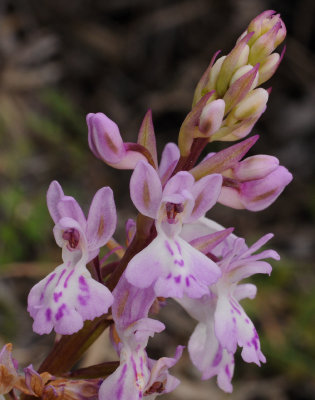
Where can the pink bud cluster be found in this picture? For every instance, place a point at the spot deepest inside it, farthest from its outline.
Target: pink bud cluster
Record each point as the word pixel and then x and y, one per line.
pixel 173 250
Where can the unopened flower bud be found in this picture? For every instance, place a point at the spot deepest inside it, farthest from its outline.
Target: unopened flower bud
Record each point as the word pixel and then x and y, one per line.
pixel 211 117
pixel 234 60
pixel 259 194
pixel 255 194
pixel 264 45
pixel 106 143
pixel 255 167
pixel 269 32
pixel 203 121
pixel 241 72
pixel 214 73
pixel 104 138
pixel 269 67
pixel 254 103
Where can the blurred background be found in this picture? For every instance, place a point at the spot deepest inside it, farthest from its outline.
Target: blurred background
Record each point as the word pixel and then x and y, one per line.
pixel 59 61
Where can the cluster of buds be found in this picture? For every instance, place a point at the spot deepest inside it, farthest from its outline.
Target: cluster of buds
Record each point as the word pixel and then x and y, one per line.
pixel 227 101
pixel 172 250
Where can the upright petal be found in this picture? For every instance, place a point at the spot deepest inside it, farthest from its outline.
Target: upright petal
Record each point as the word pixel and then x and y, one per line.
pixel 206 192
pixel 104 138
pixel 146 189
pixel 178 183
pixel 69 207
pixel 102 219
pixel 54 195
pixel 169 159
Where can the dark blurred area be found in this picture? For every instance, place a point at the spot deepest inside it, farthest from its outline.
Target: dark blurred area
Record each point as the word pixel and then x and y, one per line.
pixel 60 60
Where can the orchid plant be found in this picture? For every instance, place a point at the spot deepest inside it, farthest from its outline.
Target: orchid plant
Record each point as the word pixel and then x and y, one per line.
pixel 172 249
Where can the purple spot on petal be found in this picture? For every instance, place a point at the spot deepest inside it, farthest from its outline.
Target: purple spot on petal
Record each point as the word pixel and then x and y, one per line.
pixel 247 320
pixel 235 307
pixel 227 371
pixel 60 276
pixel 60 311
pixel 254 341
pixel 167 245
pixel 123 373
pixel 57 295
pixel 48 314
pixel 83 300
pixel 46 284
pixel 169 276
pixel 50 279
pixel 234 320
pixel 134 367
pixel 179 262
pixel 83 285
pixel 67 279
pixel 177 279
pixel 120 382
pixel 178 247
pixel 218 357
pixel 187 281
pixel 120 392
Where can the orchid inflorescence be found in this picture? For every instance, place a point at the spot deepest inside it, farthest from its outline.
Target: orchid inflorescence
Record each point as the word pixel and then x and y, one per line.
pixel 172 250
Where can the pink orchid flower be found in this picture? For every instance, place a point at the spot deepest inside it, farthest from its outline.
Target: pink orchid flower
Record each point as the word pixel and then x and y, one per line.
pixel 69 295
pixel 169 262
pixel 223 324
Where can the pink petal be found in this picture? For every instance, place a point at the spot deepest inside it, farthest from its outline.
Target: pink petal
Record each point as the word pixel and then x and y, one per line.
pixel 225 325
pixel 128 381
pixel 169 159
pixel 54 195
pixel 102 219
pixel 249 269
pixel 104 138
pixel 159 373
pixel 209 357
pixel 246 290
pixel 258 195
pixel 65 299
pixel 206 192
pixel 230 197
pixel 146 189
pixel 129 160
pixel 130 303
pixel 68 207
pixel 255 167
pixel 145 267
pixel 174 267
pixel 181 181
